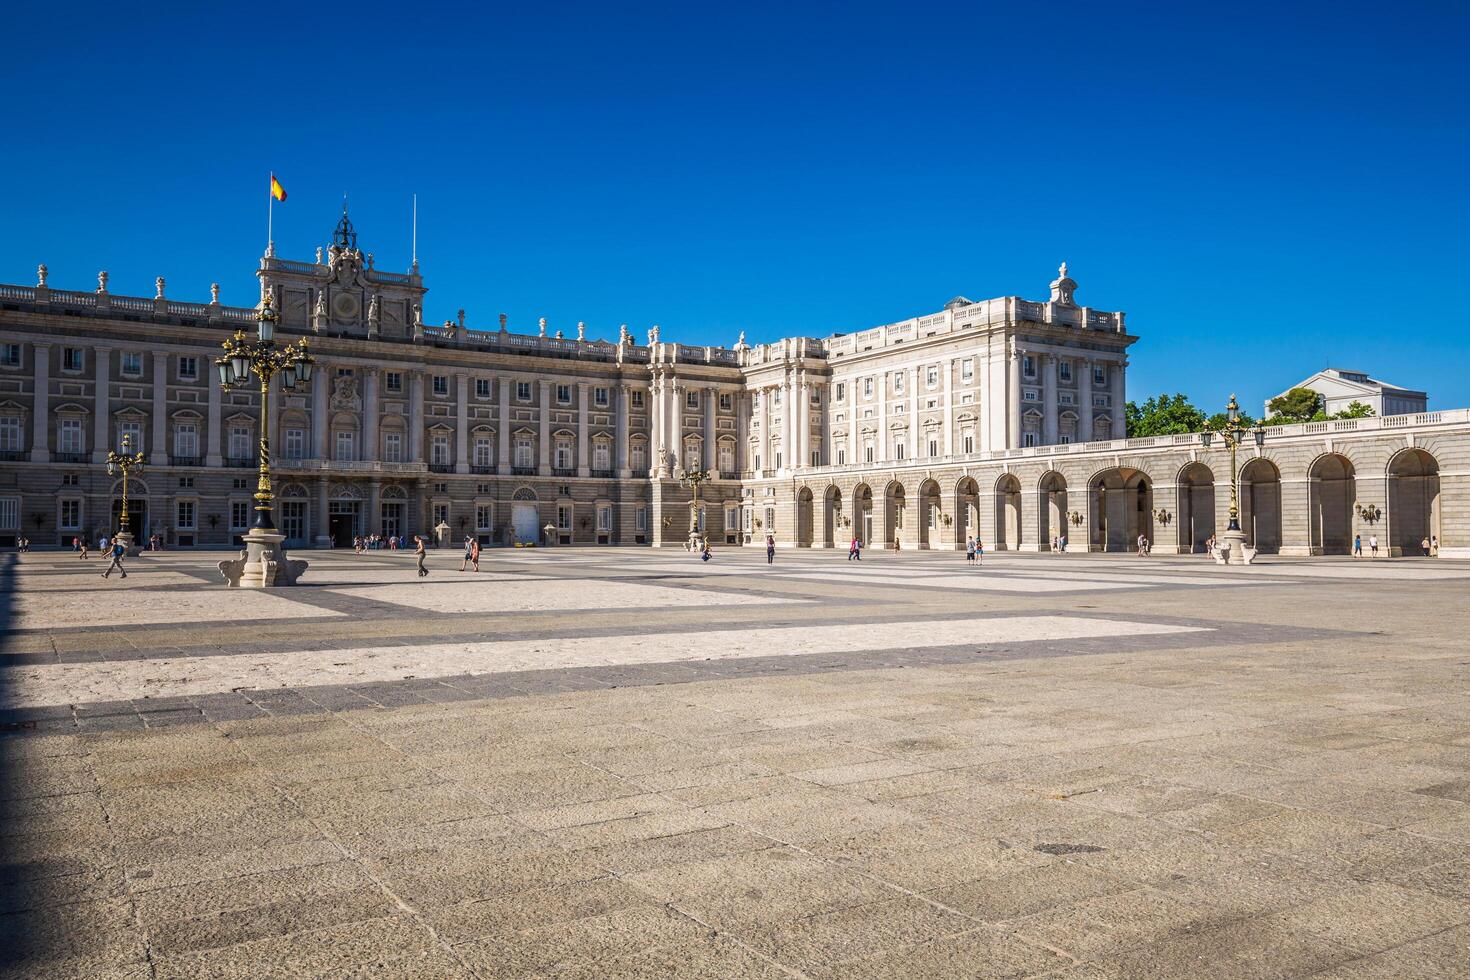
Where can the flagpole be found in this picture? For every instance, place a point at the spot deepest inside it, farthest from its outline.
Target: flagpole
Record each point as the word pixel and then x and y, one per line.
pixel 415 232
pixel 270 216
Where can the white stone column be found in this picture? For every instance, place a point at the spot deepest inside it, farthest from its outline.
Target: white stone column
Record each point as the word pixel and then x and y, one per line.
pixel 415 416
pixel 544 440
pixel 674 393
pixel 854 450
pixel 711 407
pixel 502 423
pixel 323 515
pixel 880 444
pixel 41 405
pixel 947 446
pixel 801 414
pixel 584 464
pixel 742 431
pixel 620 433
pixel 1013 399
pixel 1084 400
pixel 658 428
pixel 158 451
pixel 214 455
pixel 768 419
pixel 321 382
pixel 1119 399
pixel 371 412
pixel 102 401
pixel 915 412
pixel 1049 399
pixel 824 423
pixel 788 422
pixel 986 401
pixel 461 423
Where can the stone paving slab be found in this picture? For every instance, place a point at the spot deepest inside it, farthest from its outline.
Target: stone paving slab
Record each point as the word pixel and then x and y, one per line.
pixel 1265 775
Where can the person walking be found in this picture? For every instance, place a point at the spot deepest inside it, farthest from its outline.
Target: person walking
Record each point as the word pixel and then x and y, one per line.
pixel 1424 546
pixel 1357 546
pixel 117 560
pixel 855 550
pixel 82 543
pixel 1434 546
pixel 969 549
pixel 1373 545
pixel 770 549
pixel 420 554
pixel 468 549
pixel 475 554
pixel 1063 542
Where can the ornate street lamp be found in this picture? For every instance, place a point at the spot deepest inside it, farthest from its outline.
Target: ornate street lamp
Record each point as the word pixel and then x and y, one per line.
pixel 692 479
pixel 1369 514
pixel 265 561
pixel 125 463
pixel 1232 432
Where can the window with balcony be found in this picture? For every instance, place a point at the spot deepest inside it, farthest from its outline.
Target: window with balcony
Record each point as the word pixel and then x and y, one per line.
pixel 130 437
pixel 563 457
pixel 638 456
pixel 484 451
pixel 933 446
pixel 439 450
pixel 525 452
pixel 345 446
pixel 12 435
pixel 186 440
pixel 295 444
pixel 898 449
pixel 239 442
pixel 967 443
pixel 601 456
pixel 393 447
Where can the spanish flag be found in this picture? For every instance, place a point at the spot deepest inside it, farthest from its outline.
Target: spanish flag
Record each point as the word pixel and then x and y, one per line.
pixel 277 191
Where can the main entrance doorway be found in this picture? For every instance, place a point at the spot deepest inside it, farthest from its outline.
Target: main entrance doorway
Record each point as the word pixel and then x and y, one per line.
pixel 342 522
pixel 137 520
pixel 526 520
pixel 392 520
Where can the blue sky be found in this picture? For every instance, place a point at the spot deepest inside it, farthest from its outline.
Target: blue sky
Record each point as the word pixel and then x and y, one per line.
pixel 1267 190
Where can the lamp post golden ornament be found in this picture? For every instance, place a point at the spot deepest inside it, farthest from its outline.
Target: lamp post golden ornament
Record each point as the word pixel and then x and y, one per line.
pixel 1232 432
pixel 125 463
pixel 692 479
pixel 264 563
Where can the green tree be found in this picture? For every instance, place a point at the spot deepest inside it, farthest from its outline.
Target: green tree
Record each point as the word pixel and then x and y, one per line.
pixel 1297 405
pixel 1355 410
pixel 1219 420
pixel 1163 415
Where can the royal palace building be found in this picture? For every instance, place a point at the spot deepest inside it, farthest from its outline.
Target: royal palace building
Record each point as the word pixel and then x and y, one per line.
pixel 1002 418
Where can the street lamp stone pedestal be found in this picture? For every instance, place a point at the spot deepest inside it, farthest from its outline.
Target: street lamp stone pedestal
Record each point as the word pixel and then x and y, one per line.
pixel 263 564
pixel 130 548
pixel 1232 550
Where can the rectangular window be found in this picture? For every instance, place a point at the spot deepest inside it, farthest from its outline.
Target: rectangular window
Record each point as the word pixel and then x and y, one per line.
pixel 346 446
pixel 132 363
pixel 563 394
pixel 10 435
pixel 563 517
pixel 295 443
pixel 186 515
pixel 898 382
pixel 967 370
pixel 393 447
pixel 898 450
pixel 601 456
pixel 239 442
pixel 1028 438
pixel 816 395
pixel 933 447
pixel 9 514
pixel 239 515
pixel 968 443
pixel 726 402
pixel 439 451
pixel 482 387
pixel 394 381
pixel 1028 366
pixel 778 459
pixel 1099 376
pixel 71 515
pixel 441 514
pixel 637 399
pixel 867 452
pixel 931 377
pixel 10 355
pixel 523 391
pixel 599 397
pixel 842 457
pixel 777 397
pixel 640 518
pixel 441 384
pixel 867 387
pixel 484 516
pixel 563 456
pixel 841 390
pixel 71 359
pixel 186 439
pixel 70 436
pixel 188 368
pixel 186 482
pixel 525 452
pixel 70 480
pixel 483 451
pixel 130 437
pixel 604 519
pixel 1064 370
pixel 691 399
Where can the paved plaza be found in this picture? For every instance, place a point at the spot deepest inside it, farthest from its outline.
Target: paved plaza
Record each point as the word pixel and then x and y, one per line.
pixel 630 763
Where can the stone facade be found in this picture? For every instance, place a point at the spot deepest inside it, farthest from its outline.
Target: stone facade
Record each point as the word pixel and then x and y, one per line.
pixel 1002 417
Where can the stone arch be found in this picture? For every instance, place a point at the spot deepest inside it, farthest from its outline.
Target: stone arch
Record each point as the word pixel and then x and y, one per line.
pixel 832 518
pixel 804 517
pixel 293 491
pixel 1051 509
pixel 966 510
pixel 1260 505
pixel 930 531
pixel 1332 489
pixel 862 514
pixel 895 511
pixel 1008 531
pixel 523 493
pixel 1413 501
pixel 1119 509
pixel 394 492
pixel 1194 520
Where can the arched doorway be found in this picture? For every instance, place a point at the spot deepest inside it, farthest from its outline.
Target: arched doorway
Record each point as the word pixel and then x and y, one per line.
pixel 1260 505
pixel 1196 519
pixel 831 516
pixel 1051 512
pixel 1332 490
pixel 893 516
pixel 525 517
pixel 1119 509
pixel 931 515
pixel 1007 513
pixel 966 510
pixel 862 514
pixel 1413 501
pixel 804 518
